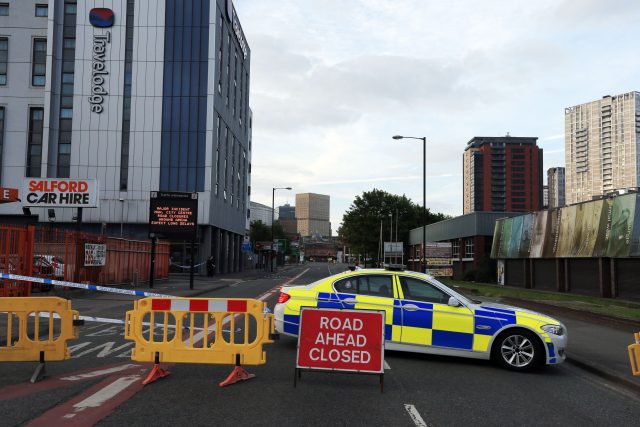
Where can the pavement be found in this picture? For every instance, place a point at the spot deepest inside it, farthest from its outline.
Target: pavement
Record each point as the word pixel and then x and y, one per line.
pixel 596 343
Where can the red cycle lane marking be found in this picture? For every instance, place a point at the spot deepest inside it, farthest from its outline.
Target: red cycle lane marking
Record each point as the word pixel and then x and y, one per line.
pixel 95 403
pixel 63 380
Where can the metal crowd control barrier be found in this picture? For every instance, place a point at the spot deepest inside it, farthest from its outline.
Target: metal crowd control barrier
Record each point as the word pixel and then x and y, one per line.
pixel 44 325
pixel 231 331
pixel 634 355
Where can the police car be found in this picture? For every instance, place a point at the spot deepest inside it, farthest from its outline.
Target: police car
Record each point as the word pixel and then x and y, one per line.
pixel 425 316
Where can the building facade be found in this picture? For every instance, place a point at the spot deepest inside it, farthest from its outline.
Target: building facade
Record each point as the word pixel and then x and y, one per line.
pixel 286 211
pixel 502 174
pixel 312 214
pixel 260 212
pixel 140 96
pixel 556 184
pixel 601 146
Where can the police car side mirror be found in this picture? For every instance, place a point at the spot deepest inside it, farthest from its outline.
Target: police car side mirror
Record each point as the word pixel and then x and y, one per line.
pixel 453 302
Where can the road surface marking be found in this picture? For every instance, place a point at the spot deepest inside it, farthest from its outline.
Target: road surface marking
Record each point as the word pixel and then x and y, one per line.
pixel 415 415
pixel 101 396
pixel 100 372
pixel 386 365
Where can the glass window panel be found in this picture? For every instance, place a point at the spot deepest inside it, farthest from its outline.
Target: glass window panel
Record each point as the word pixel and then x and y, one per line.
pixel 415 289
pixel 66 113
pixel 4 9
pixel 67 78
pixel 42 10
pixel 70 8
pixel 64 148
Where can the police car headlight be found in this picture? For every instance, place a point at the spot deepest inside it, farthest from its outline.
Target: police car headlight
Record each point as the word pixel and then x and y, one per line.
pixel 553 329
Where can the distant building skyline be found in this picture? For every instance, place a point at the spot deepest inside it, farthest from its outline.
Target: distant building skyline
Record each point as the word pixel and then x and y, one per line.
pixel 601 152
pixel 556 184
pixel 502 174
pixel 312 214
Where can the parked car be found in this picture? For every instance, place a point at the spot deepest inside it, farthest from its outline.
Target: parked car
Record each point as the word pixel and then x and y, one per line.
pixel 425 316
pixel 49 265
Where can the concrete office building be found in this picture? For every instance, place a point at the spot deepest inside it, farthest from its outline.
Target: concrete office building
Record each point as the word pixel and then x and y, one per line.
pixel 260 212
pixel 286 211
pixel 141 96
pixel 601 146
pixel 312 214
pixel 502 174
pixel 556 182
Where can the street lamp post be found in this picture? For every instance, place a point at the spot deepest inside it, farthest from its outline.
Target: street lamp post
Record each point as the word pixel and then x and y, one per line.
pixel 424 193
pixel 273 211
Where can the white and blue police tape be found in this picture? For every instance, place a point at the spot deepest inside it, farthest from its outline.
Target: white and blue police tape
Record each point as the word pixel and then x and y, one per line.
pixel 53 282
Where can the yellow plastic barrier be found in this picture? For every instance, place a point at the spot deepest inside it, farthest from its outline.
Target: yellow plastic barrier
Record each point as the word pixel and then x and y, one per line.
pixel 29 343
pixel 199 330
pixel 634 355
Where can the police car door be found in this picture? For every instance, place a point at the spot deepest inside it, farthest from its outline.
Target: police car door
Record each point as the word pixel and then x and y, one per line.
pixel 428 320
pixel 372 292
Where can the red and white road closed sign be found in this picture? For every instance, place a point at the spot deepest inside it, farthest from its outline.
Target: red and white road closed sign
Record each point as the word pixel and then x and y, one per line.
pixel 342 340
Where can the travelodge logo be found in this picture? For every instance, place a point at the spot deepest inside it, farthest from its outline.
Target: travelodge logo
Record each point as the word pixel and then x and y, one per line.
pixel 101 17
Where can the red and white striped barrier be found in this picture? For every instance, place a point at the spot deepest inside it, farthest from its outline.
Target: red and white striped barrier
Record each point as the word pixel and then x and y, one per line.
pixel 199 305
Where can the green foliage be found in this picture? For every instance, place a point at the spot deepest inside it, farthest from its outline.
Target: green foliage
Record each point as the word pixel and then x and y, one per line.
pixel 360 228
pixel 259 232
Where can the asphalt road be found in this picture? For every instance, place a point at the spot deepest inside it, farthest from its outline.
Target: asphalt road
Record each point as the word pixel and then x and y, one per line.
pixel 419 389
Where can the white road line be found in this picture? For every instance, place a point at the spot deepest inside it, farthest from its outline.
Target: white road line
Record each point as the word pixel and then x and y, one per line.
pixel 100 372
pixel 106 393
pixel 386 365
pixel 415 415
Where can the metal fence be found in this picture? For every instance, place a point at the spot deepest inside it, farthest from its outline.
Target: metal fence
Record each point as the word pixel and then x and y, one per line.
pixel 62 254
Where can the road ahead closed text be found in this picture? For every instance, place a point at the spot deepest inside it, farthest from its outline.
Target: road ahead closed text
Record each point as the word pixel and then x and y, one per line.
pixel 346 340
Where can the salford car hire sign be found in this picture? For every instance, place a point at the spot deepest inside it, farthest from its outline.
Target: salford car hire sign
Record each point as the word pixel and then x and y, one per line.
pixel 60 193
pixel 341 340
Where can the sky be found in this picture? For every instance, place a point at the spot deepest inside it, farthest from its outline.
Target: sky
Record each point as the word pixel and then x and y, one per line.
pixel 333 80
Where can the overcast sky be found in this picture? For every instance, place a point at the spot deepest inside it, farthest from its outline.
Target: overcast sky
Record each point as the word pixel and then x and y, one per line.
pixel 333 80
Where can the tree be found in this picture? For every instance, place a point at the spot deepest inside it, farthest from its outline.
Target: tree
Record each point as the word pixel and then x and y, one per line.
pixel 360 228
pixel 259 231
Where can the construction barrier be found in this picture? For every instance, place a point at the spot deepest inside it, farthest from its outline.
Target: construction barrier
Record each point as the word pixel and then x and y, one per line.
pixel 634 355
pixel 200 330
pixel 36 329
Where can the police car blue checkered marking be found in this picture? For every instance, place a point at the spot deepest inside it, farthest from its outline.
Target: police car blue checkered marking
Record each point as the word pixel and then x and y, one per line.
pixel 291 324
pixel 331 300
pixel 552 350
pixel 452 339
pixel 506 317
pixel 499 310
pixel 485 323
pixel 422 318
pixel 388 332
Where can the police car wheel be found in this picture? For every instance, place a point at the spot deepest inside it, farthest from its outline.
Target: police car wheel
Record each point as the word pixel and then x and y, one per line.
pixel 518 350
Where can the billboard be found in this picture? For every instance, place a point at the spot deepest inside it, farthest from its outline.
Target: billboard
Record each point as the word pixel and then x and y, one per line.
pixel 59 193
pixel 600 228
pixel 173 214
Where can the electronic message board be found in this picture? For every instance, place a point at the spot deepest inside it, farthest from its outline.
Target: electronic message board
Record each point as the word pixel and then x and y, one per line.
pixel 173 214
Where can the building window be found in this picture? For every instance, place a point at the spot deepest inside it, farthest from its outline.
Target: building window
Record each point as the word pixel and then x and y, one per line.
pixel 126 100
pixel 1 134
pixel 34 149
pixel 468 247
pixel 455 246
pixel 66 90
pixel 4 59
pixel 4 9
pixel 39 65
pixel 42 10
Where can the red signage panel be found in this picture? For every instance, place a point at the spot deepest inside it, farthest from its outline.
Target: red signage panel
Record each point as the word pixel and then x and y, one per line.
pixel 341 340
